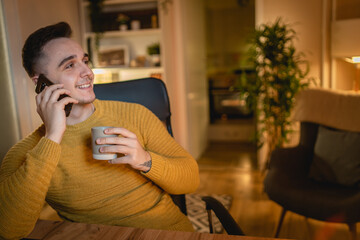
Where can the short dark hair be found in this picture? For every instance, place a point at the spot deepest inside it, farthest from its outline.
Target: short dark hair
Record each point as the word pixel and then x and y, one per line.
pixel 35 43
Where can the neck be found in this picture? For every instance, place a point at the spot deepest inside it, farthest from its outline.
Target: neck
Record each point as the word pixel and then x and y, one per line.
pixel 79 113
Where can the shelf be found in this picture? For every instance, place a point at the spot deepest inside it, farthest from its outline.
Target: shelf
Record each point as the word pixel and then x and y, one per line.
pixel 113 2
pixel 133 42
pixel 109 2
pixel 110 69
pixel 141 32
pixel 107 75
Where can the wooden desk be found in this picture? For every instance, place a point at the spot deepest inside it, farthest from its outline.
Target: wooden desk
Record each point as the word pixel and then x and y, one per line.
pixel 67 230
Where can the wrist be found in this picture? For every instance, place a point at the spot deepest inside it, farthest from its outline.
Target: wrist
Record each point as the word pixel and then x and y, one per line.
pixel 54 137
pixel 146 166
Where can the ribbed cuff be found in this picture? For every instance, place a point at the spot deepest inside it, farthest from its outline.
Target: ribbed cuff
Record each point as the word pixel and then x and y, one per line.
pixel 157 167
pixel 46 150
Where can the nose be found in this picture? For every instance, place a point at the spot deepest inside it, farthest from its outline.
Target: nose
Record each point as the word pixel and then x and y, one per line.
pixel 86 71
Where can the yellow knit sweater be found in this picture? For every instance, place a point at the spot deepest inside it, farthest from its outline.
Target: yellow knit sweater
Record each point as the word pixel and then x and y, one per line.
pixel 82 189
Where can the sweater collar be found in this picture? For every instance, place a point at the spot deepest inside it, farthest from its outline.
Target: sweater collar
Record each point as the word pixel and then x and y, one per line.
pixel 88 122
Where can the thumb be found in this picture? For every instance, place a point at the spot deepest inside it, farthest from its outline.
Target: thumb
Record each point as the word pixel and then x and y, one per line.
pixel 120 160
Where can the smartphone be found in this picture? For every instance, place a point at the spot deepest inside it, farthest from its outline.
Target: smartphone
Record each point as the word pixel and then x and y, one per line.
pixel 42 83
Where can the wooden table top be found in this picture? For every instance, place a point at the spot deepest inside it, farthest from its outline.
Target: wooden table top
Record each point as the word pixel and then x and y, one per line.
pixel 45 229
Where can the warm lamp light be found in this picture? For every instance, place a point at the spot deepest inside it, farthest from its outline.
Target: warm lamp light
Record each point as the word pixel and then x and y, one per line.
pixel 356 59
pixel 98 71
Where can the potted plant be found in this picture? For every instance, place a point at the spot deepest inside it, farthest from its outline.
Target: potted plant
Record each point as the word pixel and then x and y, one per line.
pixel 123 21
pixel 280 73
pixel 154 52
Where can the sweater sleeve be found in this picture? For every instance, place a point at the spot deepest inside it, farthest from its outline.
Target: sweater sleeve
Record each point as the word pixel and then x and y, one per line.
pixel 173 168
pixel 25 176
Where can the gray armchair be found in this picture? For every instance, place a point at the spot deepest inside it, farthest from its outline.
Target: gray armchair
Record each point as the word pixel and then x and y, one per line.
pixel 320 177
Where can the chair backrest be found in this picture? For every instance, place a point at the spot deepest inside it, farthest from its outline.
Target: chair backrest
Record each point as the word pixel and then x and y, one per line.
pixel 149 92
pixel 316 107
pixel 329 107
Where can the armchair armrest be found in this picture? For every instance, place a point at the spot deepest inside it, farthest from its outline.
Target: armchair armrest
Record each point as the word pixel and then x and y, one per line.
pixel 227 221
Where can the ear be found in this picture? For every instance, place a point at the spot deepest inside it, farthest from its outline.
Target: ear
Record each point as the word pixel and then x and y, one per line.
pixel 35 79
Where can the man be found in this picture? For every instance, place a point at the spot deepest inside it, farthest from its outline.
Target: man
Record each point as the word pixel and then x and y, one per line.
pixel 55 163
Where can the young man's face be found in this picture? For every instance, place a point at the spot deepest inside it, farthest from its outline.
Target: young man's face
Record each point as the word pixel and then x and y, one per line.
pixel 65 62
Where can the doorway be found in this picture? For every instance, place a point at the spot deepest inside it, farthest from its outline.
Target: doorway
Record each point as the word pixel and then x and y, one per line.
pixel 228 26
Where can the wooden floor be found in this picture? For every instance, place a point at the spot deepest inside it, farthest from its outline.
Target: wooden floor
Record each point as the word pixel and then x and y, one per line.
pixel 231 168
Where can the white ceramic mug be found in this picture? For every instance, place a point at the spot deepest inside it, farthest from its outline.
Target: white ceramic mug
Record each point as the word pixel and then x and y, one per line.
pixel 98 132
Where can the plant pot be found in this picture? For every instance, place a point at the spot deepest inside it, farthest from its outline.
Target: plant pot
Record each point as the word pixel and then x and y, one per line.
pixel 155 60
pixel 123 27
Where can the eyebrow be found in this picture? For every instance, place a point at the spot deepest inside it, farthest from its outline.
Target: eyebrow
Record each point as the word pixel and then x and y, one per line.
pixel 69 58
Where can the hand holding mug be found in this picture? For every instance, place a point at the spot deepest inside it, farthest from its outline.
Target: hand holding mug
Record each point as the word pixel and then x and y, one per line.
pixel 128 146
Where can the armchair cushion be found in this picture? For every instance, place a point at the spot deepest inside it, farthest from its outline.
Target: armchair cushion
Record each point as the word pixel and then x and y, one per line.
pixel 336 157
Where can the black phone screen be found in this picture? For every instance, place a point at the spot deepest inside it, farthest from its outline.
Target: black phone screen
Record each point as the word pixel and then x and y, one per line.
pixel 42 83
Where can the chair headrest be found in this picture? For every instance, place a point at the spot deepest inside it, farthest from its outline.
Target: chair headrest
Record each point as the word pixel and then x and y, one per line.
pixel 149 92
pixel 334 108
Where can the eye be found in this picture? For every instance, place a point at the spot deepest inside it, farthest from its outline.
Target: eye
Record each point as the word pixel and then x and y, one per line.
pixel 70 65
pixel 88 62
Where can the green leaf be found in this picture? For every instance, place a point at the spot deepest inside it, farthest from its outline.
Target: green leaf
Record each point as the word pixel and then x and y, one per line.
pixel 281 72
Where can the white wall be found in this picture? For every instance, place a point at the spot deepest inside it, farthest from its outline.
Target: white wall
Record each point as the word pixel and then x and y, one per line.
pixel 9 125
pixel 306 18
pixel 184 52
pixel 38 13
pixel 345 41
pixel 344 44
pixel 345 73
pixel 194 43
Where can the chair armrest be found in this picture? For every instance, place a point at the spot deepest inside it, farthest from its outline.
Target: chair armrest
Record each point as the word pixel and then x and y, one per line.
pixel 180 201
pixel 227 221
pixel 296 158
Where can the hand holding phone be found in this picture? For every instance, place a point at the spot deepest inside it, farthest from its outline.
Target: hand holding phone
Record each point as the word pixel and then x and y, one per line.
pixel 42 83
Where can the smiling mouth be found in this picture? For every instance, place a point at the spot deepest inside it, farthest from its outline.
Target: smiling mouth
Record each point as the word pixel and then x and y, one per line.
pixel 83 86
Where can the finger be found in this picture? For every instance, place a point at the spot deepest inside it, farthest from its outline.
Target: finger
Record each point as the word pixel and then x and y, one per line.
pixel 38 98
pixel 115 149
pixel 63 102
pixel 67 100
pixel 116 140
pixel 121 131
pixel 52 88
pixel 47 93
pixel 55 86
pixel 53 100
pixel 120 160
pixel 57 93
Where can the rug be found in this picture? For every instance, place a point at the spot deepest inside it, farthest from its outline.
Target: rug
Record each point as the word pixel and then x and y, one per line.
pixel 197 212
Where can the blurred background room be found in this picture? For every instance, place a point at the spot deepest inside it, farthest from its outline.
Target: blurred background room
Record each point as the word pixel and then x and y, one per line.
pixel 199 48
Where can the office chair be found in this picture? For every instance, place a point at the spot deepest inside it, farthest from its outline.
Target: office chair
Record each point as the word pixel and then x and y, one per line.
pixel 152 93
pixel 320 177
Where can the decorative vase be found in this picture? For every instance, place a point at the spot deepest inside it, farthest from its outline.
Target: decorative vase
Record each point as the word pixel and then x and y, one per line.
pixel 135 25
